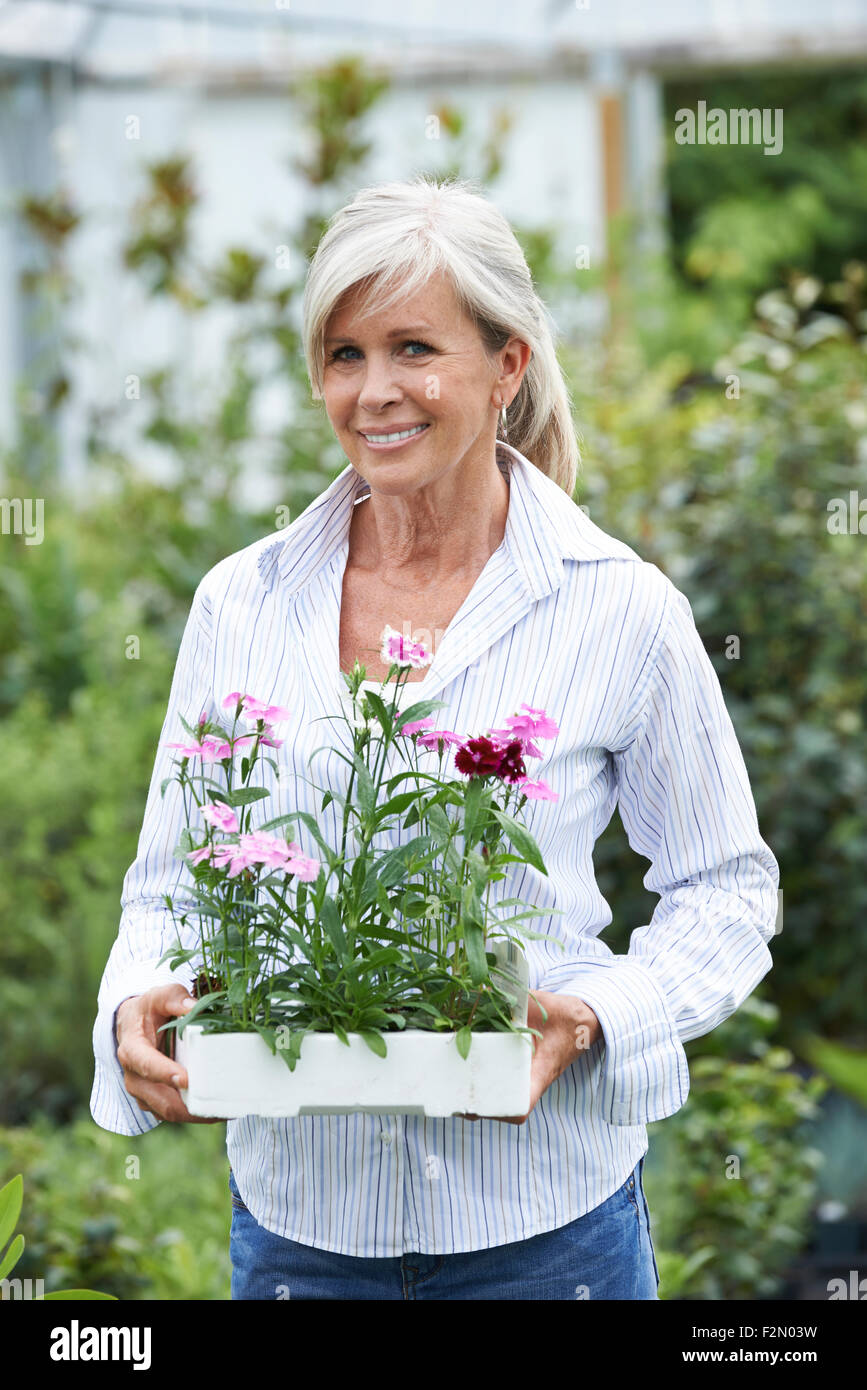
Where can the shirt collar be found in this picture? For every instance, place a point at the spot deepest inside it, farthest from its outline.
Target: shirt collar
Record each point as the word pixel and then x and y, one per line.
pixel 543 527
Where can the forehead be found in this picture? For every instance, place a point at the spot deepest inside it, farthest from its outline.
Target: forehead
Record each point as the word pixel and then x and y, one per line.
pixel 432 307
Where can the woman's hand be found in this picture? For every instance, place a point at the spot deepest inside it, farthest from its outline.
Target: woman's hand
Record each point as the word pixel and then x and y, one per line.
pixel 151 1077
pixel 570 1028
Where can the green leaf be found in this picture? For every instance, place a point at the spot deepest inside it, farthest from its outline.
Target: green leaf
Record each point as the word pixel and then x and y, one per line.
pixel 388 955
pixel 372 1016
pixel 472 802
pixel 11 1197
pixel 392 867
pixel 357 876
pixel 192 729
pixel 365 787
pixel 478 870
pixel 381 895
pixel 326 800
pixel 463 1038
pixel 86 1295
pixel 420 710
pixel 12 1256
pixel 180 1023
pixel 312 825
pixel 444 832
pixel 412 904
pixel 439 822
pixel 330 915
pixel 522 840
pixel 269 1034
pixel 237 991
pixel 474 938
pixel 471 905
pixel 244 796
pixel 304 945
pixel 395 804
pixel 185 843
pixel 375 1041
pixel 340 1033
pixel 291 1051
pixel 423 1006
pixel 301 891
pixel 379 709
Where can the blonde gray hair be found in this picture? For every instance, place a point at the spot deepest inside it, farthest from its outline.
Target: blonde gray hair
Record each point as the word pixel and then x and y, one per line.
pixel 391 237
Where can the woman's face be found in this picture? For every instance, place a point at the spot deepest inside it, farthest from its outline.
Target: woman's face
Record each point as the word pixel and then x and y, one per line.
pixel 420 366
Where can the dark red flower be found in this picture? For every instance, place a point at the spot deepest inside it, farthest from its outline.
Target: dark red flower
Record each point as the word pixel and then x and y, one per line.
pixel 512 767
pixel 481 757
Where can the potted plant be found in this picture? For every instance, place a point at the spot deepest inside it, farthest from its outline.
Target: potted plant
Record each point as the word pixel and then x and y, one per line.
pixel 367 978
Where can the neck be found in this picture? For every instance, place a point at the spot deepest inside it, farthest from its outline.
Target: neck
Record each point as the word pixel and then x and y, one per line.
pixel 439 531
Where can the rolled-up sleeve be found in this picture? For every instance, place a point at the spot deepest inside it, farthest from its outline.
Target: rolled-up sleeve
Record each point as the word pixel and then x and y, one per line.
pixel 147 928
pixel 686 805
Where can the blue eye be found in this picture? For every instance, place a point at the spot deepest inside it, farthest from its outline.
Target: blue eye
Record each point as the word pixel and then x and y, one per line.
pixel 337 354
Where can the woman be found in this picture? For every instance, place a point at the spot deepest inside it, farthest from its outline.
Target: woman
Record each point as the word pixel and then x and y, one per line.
pixel 428 344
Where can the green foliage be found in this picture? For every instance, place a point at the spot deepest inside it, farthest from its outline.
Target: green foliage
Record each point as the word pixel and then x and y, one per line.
pixel 88 1220
pixel 11 1198
pixel 469 153
pixel 334 101
pixel 731 1177
pixel 742 221
pixel 69 819
pixel 162 226
pixel 42 625
pixel 733 496
pixel 846 1068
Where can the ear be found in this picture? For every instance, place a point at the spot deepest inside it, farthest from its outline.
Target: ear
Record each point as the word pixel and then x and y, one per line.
pixel 514 360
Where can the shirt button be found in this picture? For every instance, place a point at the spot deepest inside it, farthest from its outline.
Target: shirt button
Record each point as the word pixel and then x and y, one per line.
pixel 384 1136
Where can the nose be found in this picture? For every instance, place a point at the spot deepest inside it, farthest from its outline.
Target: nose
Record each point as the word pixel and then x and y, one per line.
pixel 378 387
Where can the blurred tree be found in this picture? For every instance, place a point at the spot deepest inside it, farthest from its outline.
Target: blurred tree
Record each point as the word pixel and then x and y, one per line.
pixel 742 221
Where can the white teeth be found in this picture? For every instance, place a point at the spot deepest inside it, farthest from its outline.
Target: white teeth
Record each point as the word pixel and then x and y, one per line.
pixel 390 438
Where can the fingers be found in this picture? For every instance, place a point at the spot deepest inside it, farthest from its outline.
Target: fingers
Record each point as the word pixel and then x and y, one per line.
pixel 150 1077
pixel 138 1054
pixel 164 1102
pixel 172 999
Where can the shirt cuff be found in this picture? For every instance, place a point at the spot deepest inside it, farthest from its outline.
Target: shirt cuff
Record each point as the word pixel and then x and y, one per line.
pixel 644 1076
pixel 111 1105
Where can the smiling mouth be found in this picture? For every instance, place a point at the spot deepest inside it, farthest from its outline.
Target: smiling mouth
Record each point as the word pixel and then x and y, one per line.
pixel 393 436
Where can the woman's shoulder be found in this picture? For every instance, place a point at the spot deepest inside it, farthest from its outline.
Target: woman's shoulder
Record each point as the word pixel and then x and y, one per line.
pixel 292 553
pixel 242 573
pixel 611 566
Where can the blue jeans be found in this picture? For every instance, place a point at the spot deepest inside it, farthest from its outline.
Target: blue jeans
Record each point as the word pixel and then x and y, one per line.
pixel 605 1254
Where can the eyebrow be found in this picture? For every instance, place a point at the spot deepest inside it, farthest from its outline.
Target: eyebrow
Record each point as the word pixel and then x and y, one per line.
pixel 395 333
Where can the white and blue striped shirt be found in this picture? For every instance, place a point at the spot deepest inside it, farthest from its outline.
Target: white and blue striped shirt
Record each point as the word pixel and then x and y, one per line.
pixel 567 619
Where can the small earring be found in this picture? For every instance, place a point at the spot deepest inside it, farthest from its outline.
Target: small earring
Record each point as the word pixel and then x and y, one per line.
pixel 503 421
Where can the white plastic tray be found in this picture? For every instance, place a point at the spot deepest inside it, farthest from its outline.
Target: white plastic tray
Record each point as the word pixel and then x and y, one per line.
pixel 234 1074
